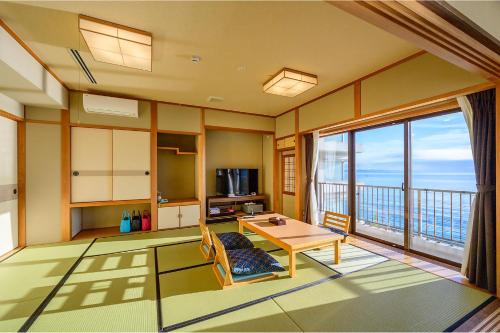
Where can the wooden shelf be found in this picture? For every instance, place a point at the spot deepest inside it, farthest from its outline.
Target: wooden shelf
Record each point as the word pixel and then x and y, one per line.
pixel 109 203
pixel 180 202
pixel 177 151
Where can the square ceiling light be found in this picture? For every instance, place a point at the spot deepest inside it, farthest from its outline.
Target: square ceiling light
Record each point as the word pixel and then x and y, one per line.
pixel 290 83
pixel 116 44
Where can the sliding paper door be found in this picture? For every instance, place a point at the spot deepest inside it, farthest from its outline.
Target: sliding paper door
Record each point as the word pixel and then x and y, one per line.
pixel 8 185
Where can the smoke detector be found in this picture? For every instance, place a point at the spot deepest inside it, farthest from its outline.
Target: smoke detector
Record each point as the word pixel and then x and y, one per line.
pixel 215 99
pixel 195 59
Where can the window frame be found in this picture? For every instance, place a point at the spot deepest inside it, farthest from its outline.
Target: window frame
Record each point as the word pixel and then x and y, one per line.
pixel 283 179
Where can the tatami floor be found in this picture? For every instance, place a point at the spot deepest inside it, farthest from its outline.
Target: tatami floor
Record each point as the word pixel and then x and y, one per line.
pixel 159 281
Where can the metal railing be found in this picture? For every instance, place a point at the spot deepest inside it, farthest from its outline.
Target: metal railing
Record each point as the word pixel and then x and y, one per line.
pixel 440 215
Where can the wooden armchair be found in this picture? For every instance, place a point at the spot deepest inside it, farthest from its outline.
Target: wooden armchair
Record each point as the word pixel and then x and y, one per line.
pixel 338 223
pixel 222 270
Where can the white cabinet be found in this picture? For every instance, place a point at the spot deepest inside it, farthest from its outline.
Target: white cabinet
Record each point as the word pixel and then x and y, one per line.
pixel 91 164
pixel 189 215
pixel 168 217
pixel 131 165
pixel 109 165
pixel 178 216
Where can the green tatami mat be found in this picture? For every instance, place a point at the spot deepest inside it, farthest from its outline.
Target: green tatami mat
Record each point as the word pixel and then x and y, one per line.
pixel 188 254
pixel 191 293
pixel 149 239
pixel 113 292
pixel 29 276
pixel 261 317
pixel 390 296
pixel 353 258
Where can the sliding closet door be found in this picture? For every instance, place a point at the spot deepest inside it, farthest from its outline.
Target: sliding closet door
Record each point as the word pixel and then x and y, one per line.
pixel 131 165
pixel 8 185
pixel 91 164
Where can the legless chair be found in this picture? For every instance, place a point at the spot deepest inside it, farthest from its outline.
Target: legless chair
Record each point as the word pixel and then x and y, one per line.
pixel 222 270
pixel 206 246
pixel 338 223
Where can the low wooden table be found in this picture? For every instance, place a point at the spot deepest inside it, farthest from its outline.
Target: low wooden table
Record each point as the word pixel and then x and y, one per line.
pixel 294 237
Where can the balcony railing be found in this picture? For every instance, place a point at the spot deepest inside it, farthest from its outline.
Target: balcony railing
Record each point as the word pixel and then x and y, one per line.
pixel 435 214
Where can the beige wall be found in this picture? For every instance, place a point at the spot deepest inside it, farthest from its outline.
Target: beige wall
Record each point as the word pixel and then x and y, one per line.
pixel 79 116
pixel 107 216
pixel 285 124
pixel 288 205
pixel 176 175
pixel 238 120
pixel 178 118
pixel 37 113
pixel 43 183
pixel 226 149
pixel 330 109
pixel 11 106
pixel 419 78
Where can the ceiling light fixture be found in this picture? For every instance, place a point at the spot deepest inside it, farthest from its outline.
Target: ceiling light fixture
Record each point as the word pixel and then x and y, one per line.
pixel 117 44
pixel 289 82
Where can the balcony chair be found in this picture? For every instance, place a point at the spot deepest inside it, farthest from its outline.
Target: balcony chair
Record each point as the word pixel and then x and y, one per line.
pixel 222 268
pixel 337 223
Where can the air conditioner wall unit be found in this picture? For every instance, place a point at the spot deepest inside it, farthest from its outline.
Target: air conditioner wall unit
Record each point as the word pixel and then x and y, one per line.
pixel 110 106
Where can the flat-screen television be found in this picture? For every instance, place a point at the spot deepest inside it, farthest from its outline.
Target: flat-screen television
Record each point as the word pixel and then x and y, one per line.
pixel 236 181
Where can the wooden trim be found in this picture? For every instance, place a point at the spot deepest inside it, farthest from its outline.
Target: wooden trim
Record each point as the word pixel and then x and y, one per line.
pixel 180 202
pixel 154 165
pixel 287 148
pixel 235 129
pixel 65 176
pixel 126 96
pixel 357 99
pixel 177 132
pixel 407 185
pixel 351 176
pixel 40 121
pixel 298 169
pixel 9 115
pixel 283 173
pixel 10 253
pixel 111 127
pixel 286 136
pixel 353 82
pixel 110 203
pixel 21 183
pixel 30 51
pixel 428 102
pixel 421 23
pixel 112 24
pixel 497 157
pixel 202 166
pixel 276 178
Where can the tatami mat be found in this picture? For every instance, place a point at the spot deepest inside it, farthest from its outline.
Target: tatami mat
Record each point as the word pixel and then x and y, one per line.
pixel 192 293
pixel 29 276
pixel 262 317
pixel 390 296
pixel 105 293
pixel 353 258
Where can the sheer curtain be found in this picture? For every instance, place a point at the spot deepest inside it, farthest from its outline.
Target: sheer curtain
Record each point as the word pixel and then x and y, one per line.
pixel 466 108
pixel 313 201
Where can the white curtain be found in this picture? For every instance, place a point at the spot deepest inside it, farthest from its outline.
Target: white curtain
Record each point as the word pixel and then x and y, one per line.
pixel 313 201
pixel 468 114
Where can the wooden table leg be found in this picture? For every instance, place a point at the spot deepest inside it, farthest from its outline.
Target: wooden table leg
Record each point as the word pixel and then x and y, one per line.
pixel 291 263
pixel 240 227
pixel 337 252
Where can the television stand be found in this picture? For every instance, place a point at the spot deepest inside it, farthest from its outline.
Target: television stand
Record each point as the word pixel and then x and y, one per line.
pixel 234 203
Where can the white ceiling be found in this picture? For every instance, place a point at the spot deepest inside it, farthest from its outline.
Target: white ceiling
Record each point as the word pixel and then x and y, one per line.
pixel 241 45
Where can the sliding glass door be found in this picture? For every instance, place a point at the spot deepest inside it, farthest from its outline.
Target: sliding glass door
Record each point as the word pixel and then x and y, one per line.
pixel 379 183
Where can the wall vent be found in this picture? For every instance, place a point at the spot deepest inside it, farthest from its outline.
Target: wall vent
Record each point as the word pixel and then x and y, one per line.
pixel 79 60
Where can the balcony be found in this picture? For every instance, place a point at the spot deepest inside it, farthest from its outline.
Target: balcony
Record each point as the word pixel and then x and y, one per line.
pixel 438 218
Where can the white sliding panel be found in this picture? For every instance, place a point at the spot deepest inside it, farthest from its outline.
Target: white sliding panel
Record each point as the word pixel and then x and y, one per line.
pixel 8 185
pixel 91 164
pixel 189 215
pixel 168 217
pixel 131 165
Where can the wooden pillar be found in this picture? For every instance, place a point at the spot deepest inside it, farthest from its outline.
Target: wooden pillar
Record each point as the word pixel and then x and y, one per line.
pixel 65 176
pixel 497 161
pixel 21 183
pixel 201 167
pixel 357 99
pixel 154 165
pixel 276 177
pixel 298 168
